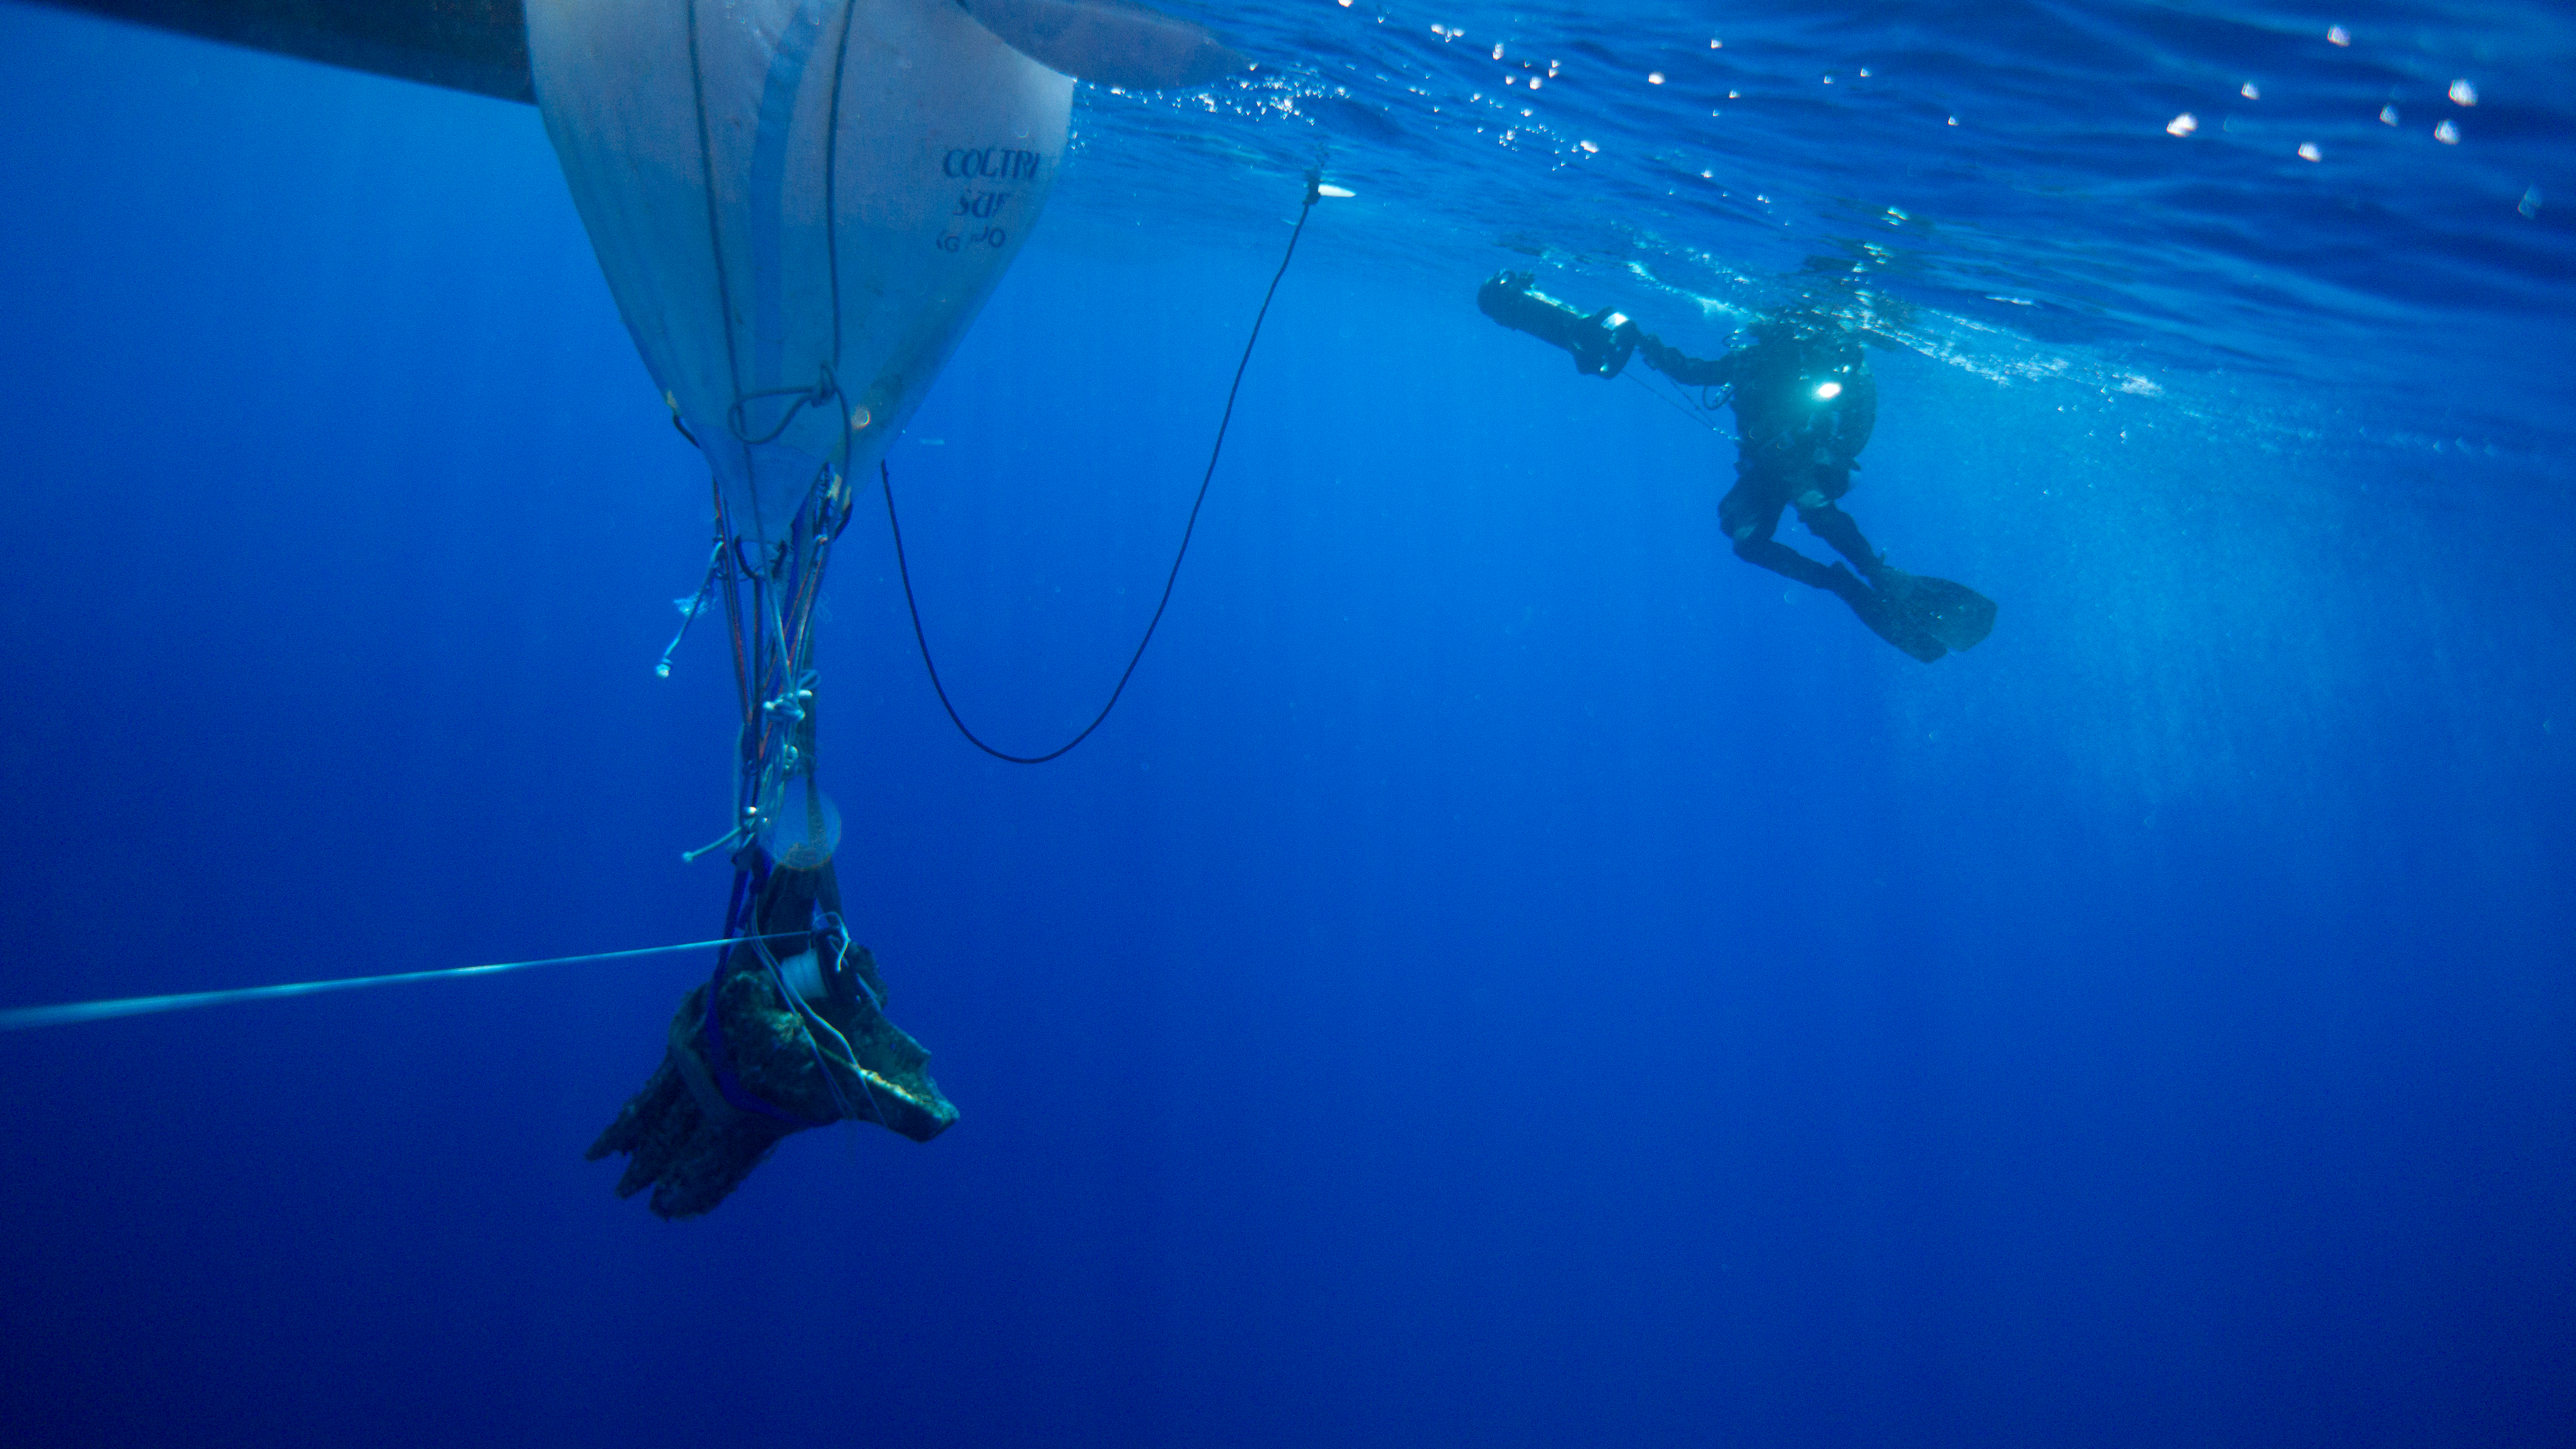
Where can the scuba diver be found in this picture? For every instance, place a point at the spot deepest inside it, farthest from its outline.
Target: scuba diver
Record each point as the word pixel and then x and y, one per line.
pixel 1804 403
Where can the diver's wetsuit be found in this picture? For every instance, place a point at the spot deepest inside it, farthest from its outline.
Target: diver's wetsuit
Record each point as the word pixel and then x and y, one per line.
pixel 1804 405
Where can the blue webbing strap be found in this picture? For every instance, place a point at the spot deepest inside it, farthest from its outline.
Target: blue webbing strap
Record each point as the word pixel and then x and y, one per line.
pixel 718 1060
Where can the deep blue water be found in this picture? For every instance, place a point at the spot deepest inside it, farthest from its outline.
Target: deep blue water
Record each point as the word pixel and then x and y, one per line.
pixel 1508 974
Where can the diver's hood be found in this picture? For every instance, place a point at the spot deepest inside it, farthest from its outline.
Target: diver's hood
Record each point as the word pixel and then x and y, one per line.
pixel 801 205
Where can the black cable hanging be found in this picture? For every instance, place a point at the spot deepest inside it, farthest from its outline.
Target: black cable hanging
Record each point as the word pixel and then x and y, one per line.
pixel 1314 190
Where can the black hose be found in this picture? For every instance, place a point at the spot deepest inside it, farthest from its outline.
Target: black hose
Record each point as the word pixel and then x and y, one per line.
pixel 886 479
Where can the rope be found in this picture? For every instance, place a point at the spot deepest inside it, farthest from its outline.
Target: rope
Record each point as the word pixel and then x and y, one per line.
pixel 807 1018
pixel 715 233
pixel 26 1017
pixel 886 479
pixel 697 606
pixel 1674 404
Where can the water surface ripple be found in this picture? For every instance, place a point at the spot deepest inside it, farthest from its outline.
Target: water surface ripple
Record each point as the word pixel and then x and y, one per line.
pixel 2374 204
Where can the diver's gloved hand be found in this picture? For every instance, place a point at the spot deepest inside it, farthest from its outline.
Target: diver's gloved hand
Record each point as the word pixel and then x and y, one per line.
pixel 1683 368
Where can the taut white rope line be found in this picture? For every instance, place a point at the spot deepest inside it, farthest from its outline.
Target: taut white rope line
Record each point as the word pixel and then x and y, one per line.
pixel 25 1017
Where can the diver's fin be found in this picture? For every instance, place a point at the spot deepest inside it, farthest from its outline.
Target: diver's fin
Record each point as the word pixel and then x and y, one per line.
pixel 1891 622
pixel 1949 614
pixel 1112 42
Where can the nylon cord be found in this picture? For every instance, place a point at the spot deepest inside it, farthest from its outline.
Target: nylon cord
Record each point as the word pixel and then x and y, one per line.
pixel 715 232
pixel 1675 405
pixel 25 1017
pixel 885 478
